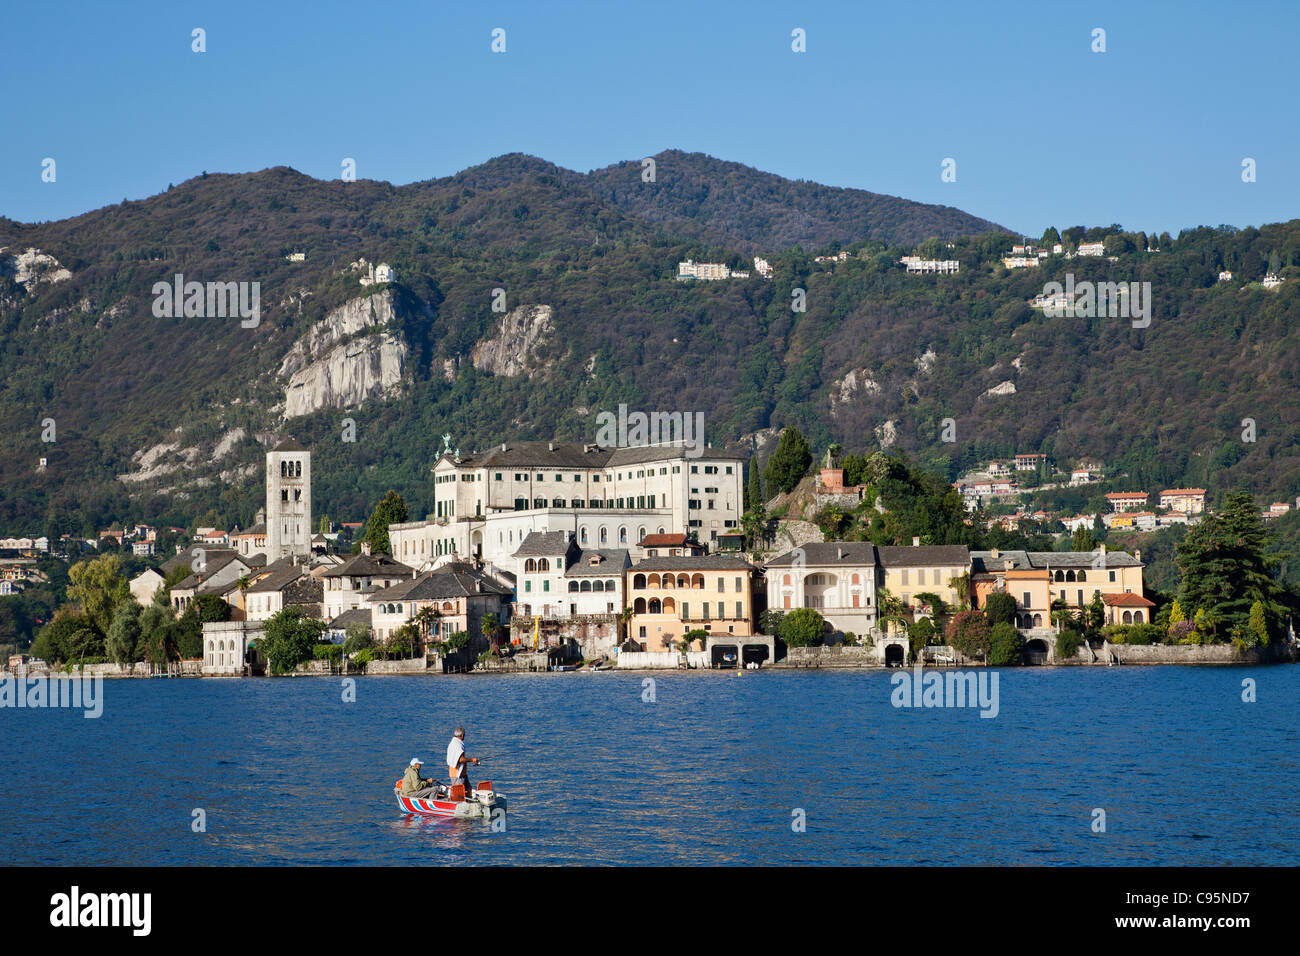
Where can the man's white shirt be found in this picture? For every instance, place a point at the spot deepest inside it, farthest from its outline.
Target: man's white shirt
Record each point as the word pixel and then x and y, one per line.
pixel 455 750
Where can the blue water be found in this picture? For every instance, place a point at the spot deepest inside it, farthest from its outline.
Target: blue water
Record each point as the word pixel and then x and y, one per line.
pixel 712 771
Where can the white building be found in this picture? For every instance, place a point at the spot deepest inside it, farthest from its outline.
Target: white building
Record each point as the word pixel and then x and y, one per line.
pixel 917 264
pixel 837 578
pixel 691 269
pixel 288 501
pixel 1092 249
pixel 486 504
pixel 347 585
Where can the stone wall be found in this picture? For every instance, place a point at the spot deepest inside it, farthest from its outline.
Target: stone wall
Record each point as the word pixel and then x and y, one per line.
pixel 1189 654
pixel 416 665
pixel 838 655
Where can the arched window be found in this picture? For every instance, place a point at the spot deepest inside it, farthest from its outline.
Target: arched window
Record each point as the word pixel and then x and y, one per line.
pixel 638 582
pixel 1083 576
pixel 609 586
pixel 1069 576
pixel 670 606
pixel 1059 576
pixel 697 581
pixel 653 581
pixel 655 606
pixel 638 606
pixel 661 531
pixel 284 469
pixel 543 564
pixel 683 581
pixel 667 581
pixel 598 585
pixel 604 535
pixel 855 579
pixel 622 535
pixel 583 534
pixel 530 566
pixel 1128 617
pixel 1038 620
pixel 640 534
pixel 573 586
pixel 1137 617
pixel 586 585
pixel 785 580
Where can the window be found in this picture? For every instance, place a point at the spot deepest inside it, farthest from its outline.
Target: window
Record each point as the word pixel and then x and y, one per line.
pixel 577 477
pixel 740 611
pixel 728 469
pixel 1112 577
pixel 546 584
pixel 541 477
pixel 1028 600
pixel 498 478
pixel 528 586
pixel 740 585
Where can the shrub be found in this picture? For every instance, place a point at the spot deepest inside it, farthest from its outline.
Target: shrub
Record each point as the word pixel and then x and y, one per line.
pixel 327 652
pixel 1144 634
pixel 969 632
pixel 1000 607
pixel 920 634
pixel 804 627
pixel 1005 645
pixel 1068 643
pixel 363 657
pixel 769 622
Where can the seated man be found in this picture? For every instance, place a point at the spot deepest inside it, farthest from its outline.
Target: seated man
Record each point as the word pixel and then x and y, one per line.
pixel 413 785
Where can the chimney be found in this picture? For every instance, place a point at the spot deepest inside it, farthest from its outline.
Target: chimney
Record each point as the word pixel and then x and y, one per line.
pixel 551 445
pixel 839 554
pixel 503 446
pixel 365 547
pixel 994 554
pixel 1103 547
pixel 916 542
pixel 1137 555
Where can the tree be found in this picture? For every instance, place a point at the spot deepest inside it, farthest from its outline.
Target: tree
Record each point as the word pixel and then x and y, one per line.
pixel 1257 629
pixel 999 608
pixel 1226 566
pixel 789 462
pixel 124 633
pixel 892 610
pixel 1094 616
pixel 970 633
pixel 98 586
pixel 391 510
pixel 803 627
pixel 491 628
pixel 357 637
pixel 769 622
pixel 1083 540
pixel 1005 645
pixel 288 639
pixel 754 500
pixel 920 634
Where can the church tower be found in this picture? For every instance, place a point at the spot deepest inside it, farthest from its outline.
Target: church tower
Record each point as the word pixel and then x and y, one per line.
pixel 288 501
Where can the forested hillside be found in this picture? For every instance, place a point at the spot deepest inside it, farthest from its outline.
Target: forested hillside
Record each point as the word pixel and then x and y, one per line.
pixel 878 356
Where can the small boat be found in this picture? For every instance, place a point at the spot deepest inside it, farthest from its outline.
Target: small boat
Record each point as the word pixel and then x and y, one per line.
pixel 482 801
pixel 565 668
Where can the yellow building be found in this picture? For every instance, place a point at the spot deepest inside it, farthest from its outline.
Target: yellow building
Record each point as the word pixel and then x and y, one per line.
pixel 924 569
pixel 672 595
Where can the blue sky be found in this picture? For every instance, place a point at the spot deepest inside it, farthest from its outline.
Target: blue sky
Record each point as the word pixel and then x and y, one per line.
pixel 1044 131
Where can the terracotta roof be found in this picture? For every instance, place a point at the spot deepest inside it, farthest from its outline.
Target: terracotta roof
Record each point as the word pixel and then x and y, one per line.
pixel 1183 491
pixel 667 541
pixel 1126 600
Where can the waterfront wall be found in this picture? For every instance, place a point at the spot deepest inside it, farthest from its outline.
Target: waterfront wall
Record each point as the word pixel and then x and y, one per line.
pixel 837 655
pixel 659 660
pixel 1191 654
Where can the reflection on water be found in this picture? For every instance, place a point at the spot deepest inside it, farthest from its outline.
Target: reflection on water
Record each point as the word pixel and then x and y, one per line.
pixel 714 771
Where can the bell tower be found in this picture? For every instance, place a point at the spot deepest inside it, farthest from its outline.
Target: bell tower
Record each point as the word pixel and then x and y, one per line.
pixel 288 501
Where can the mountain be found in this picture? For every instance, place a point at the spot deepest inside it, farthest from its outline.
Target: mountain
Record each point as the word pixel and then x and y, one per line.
pixel 159 418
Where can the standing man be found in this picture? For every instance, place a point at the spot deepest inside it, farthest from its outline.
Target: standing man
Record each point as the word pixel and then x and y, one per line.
pixel 457 761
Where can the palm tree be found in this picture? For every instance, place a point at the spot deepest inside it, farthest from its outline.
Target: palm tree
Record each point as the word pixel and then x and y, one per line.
pixel 425 619
pixel 892 609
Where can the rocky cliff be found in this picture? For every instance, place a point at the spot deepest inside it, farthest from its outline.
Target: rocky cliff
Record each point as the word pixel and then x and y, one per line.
pixel 334 365
pixel 511 350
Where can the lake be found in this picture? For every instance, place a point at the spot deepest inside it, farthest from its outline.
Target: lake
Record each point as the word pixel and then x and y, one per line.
pixel 718 768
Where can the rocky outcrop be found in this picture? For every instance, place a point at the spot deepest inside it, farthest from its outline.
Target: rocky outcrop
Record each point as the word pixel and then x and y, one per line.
pixel 1003 388
pixel 32 267
pixel 845 390
pixel 338 364
pixel 347 375
pixel 511 349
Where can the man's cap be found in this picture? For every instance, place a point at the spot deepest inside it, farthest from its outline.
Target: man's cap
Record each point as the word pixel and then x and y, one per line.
pixel 417 762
